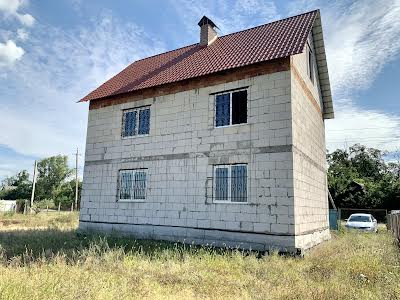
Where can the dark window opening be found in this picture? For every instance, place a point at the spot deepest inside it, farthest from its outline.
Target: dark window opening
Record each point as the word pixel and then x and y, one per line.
pixel 311 65
pixel 239 107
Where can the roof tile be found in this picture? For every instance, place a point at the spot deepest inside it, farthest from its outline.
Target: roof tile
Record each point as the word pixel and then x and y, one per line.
pixel 274 40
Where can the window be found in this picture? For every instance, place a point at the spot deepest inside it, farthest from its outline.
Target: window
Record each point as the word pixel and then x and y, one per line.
pixel 310 58
pixel 136 121
pixel 230 183
pixel 132 184
pixel 231 108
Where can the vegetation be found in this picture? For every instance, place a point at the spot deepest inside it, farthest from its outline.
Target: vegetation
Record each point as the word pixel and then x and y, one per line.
pixel 54 184
pixel 361 178
pixel 42 257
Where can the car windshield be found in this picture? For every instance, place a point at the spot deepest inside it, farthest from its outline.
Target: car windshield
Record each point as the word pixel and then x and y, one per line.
pixel 360 219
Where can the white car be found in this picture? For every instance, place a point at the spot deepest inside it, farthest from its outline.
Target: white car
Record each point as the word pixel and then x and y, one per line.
pixel 365 222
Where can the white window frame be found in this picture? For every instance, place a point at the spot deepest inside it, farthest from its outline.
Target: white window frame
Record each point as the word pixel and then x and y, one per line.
pixel 229 166
pixel 230 107
pixel 136 133
pixel 134 171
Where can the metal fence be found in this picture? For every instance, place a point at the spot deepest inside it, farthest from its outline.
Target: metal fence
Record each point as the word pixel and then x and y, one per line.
pixel 394 225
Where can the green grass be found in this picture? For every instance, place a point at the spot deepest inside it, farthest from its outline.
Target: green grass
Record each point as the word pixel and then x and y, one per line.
pixel 42 257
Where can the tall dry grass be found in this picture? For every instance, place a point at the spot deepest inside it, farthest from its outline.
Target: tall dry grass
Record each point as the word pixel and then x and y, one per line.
pixel 53 262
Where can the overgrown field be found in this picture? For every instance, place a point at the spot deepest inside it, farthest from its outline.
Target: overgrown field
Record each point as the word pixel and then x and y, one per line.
pixel 42 257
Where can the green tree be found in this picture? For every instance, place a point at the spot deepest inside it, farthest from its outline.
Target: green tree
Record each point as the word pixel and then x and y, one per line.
pixel 16 187
pixel 65 193
pixel 360 178
pixel 52 173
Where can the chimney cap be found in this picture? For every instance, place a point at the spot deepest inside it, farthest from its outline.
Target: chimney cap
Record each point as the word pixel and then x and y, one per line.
pixel 204 20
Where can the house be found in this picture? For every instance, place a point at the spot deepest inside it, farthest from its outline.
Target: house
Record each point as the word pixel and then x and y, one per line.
pixel 221 142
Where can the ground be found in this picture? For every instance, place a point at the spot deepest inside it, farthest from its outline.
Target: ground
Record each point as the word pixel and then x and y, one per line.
pixel 42 257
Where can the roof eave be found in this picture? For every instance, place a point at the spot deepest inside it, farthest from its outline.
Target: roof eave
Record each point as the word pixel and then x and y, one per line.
pixel 322 66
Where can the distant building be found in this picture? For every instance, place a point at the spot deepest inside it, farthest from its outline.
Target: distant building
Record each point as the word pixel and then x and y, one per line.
pixel 219 142
pixel 8 205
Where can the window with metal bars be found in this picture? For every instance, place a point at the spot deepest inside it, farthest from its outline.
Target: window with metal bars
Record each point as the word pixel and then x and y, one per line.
pixel 136 121
pixel 231 108
pixel 132 184
pixel 230 183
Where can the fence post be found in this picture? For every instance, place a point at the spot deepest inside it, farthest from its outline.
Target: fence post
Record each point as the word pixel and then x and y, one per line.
pixel 72 207
pixel 59 206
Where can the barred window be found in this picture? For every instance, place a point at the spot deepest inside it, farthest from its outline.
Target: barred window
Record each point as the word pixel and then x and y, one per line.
pixel 136 121
pixel 231 108
pixel 132 184
pixel 230 183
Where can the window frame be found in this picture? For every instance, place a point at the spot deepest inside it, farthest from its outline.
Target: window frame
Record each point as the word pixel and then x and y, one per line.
pixel 230 92
pixel 134 171
pixel 229 201
pixel 137 110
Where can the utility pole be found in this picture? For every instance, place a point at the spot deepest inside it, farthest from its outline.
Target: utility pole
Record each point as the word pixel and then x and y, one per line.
pixel 34 183
pixel 76 178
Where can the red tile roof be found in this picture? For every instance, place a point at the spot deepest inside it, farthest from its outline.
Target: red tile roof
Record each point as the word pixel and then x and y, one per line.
pixel 278 39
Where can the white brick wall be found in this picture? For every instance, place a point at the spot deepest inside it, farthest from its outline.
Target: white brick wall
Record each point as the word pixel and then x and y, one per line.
pixel 310 186
pixel 284 190
pixel 179 153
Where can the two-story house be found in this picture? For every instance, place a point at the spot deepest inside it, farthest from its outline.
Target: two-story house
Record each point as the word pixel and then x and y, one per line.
pixel 221 142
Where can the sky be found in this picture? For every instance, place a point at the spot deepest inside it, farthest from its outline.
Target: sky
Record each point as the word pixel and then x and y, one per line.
pixel 52 53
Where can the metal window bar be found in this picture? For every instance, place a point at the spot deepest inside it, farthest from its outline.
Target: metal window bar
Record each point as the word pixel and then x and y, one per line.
pixel 144 121
pixel 239 183
pixel 136 121
pixel 139 187
pixel 222 110
pixel 132 185
pixel 129 123
pixel 125 185
pixel 230 183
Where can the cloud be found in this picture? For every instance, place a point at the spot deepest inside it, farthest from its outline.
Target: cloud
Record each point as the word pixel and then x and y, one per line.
pixel 26 19
pixel 22 34
pixel 353 124
pixel 39 115
pixel 361 37
pixel 11 9
pixel 10 53
pixel 229 16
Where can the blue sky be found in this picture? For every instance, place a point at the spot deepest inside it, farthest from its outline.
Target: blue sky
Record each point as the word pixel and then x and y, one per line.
pixel 52 53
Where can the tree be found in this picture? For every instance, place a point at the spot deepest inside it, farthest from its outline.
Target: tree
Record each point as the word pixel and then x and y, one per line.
pixel 360 178
pixel 52 173
pixel 65 193
pixel 16 187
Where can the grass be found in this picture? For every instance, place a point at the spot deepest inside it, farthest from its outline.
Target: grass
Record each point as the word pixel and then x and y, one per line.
pixel 42 257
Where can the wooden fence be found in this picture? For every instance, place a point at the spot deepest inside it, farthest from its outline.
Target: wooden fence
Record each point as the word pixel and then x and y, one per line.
pixel 394 225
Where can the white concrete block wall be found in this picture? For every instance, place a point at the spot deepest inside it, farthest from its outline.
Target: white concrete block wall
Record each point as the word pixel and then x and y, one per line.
pixel 309 155
pixel 179 153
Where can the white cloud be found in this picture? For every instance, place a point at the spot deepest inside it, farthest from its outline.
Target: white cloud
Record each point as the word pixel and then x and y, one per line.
pixel 229 16
pixel 353 124
pixel 11 8
pixel 26 19
pixel 361 37
pixel 39 115
pixel 10 53
pixel 22 34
